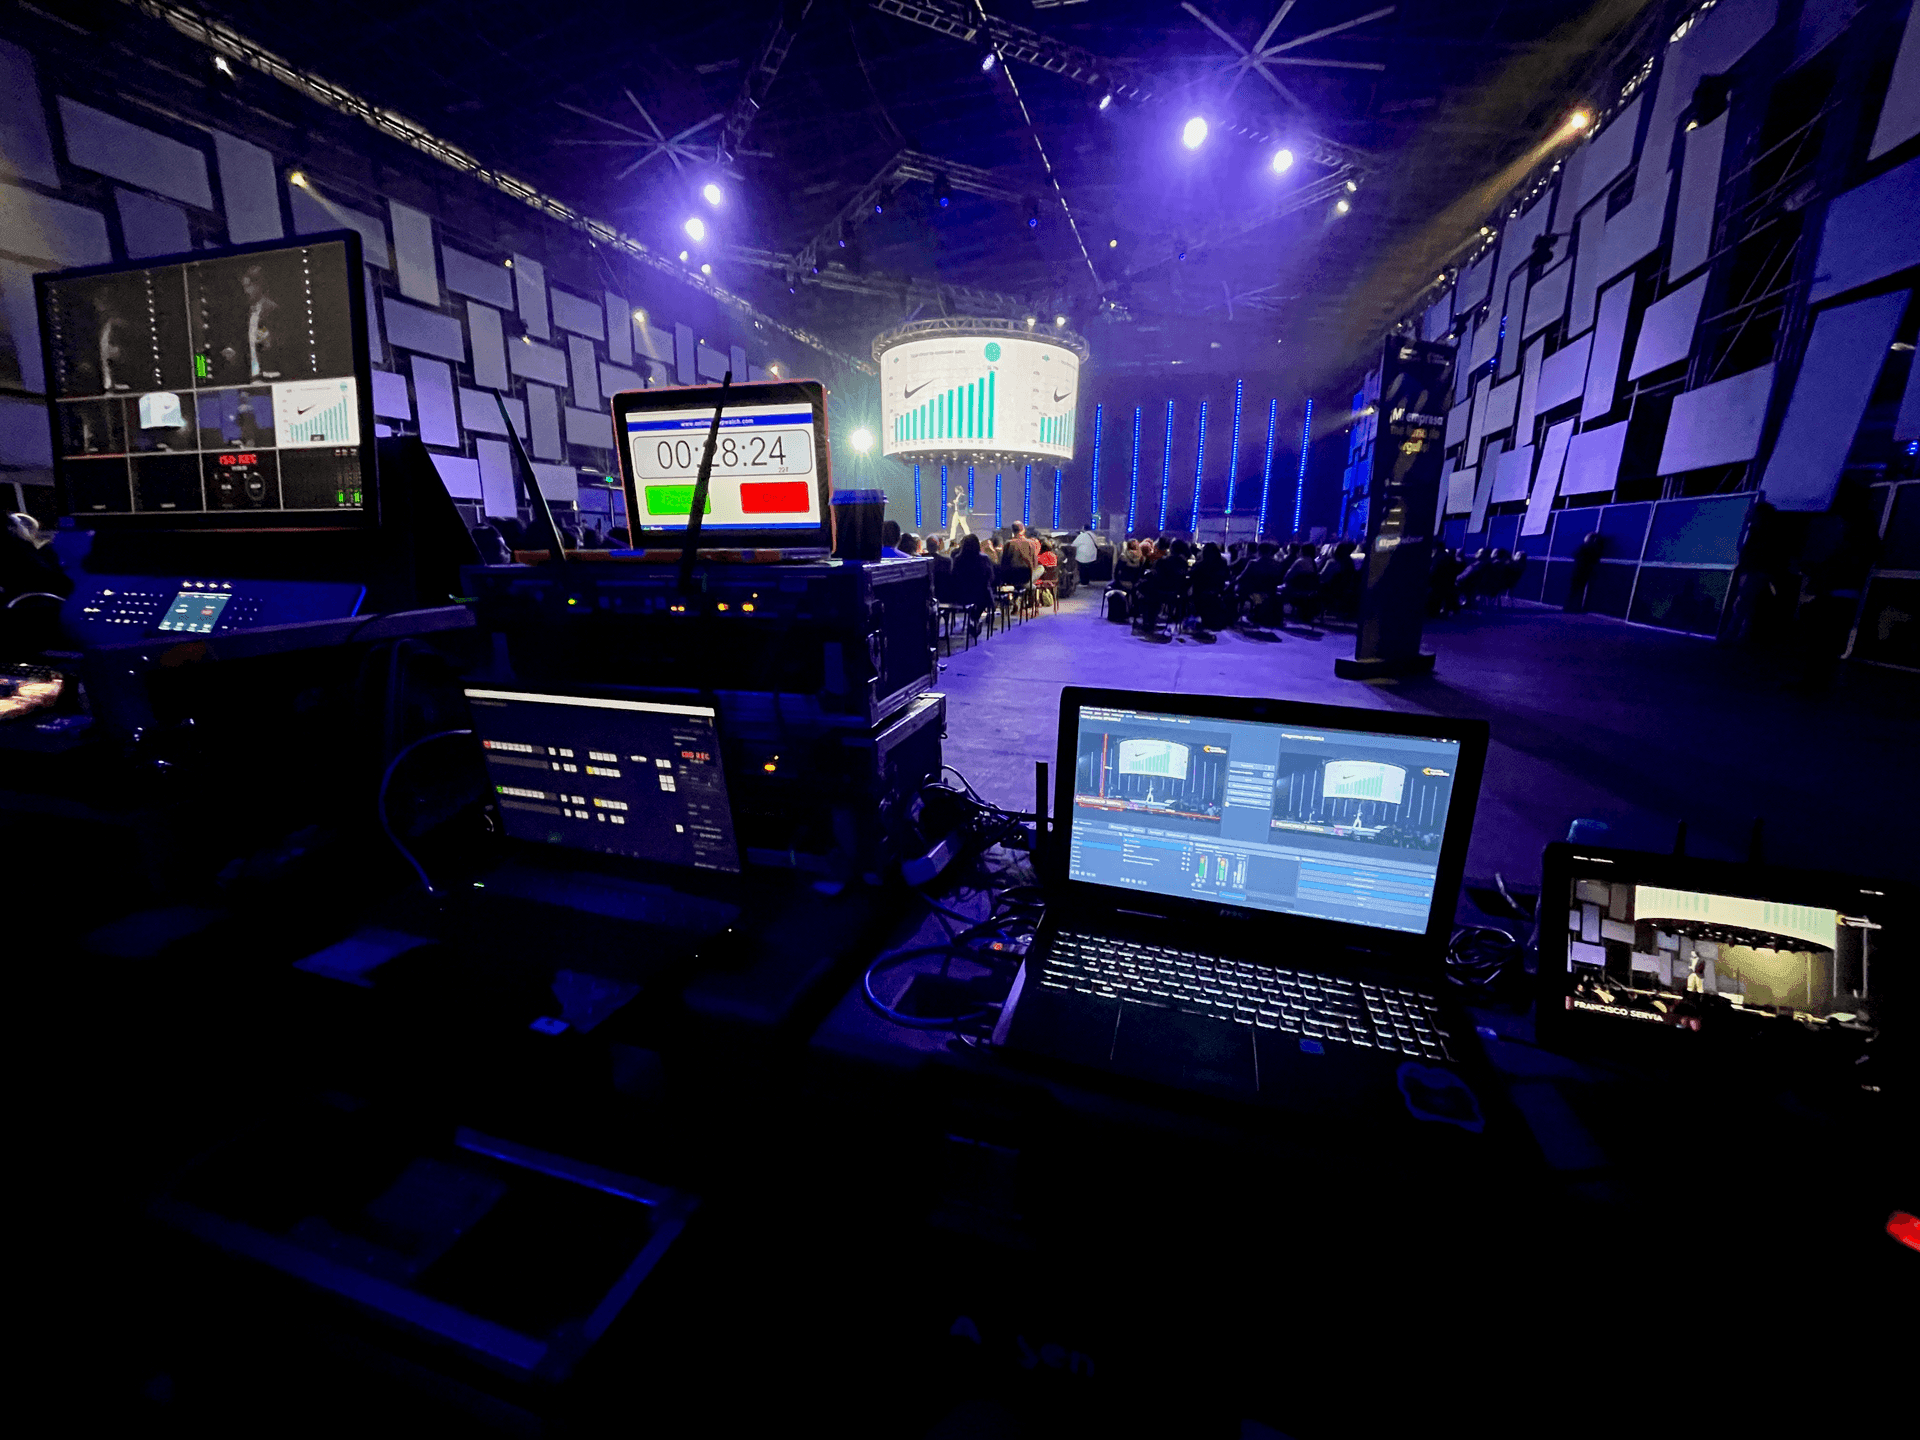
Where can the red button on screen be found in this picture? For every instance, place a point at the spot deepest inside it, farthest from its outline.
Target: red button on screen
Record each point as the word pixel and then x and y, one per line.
pixel 776 497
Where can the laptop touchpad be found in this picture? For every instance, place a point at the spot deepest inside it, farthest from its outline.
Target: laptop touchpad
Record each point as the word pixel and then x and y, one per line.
pixel 1182 1049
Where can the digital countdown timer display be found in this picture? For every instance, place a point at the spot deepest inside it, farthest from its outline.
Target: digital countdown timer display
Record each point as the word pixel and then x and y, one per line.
pixel 996 394
pixel 765 472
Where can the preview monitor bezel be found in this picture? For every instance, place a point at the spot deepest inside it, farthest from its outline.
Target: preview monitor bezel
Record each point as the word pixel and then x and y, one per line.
pixel 1407 945
pixel 811 393
pixel 365 517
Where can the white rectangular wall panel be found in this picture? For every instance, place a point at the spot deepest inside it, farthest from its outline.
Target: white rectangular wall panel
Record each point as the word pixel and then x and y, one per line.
pixel 1439 315
pixel 1593 460
pixel 26 149
pixel 537 362
pixel 20 323
pixel 592 428
pixel 1501 401
pixel 652 342
pixel 1871 232
pixel 1460 490
pixel 1634 233
pixel 1906 423
pixel 482 279
pixel 684 359
pixel 543 419
pixel 249 190
pixel 586 371
pixel 1717 424
pixel 1486 339
pixel 1516 240
pixel 582 317
pixel 1699 195
pixel 1475 285
pixel 411 328
pixel 1515 474
pixel 530 287
pixel 480 412
pixel 712 363
pixel 1529 393
pixel 1711 46
pixel 45 229
pixel 150 227
pixel 1563 374
pixel 1514 299
pixel 558 483
pixel 737 359
pixel 1609 336
pixel 1844 356
pixel 1546 484
pixel 488 338
pixel 619 329
pixel 24 438
pixel 376 352
pixel 1666 330
pixel 1605 158
pixel 433 396
pixel 496 478
pixel 1900 114
pixel 460 475
pixel 1547 300
pixel 313 214
pixel 1458 419
pixel 615 378
pixel 109 145
pixel 390 400
pixel 413 253
pixel 1588 260
pixel 1482 496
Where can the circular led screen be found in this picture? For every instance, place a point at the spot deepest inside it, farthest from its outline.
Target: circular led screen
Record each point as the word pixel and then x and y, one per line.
pixel 987 394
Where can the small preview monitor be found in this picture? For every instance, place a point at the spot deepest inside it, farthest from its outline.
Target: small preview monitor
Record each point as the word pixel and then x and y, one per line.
pixel 634 779
pixel 223 390
pixel 1323 815
pixel 771 475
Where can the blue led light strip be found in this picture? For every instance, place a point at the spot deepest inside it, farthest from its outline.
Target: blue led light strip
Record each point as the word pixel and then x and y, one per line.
pixel 1266 470
pixel 1056 497
pixel 918 518
pixel 971 507
pixel 1233 459
pixel 945 518
pixel 1166 470
pixel 1199 467
pixel 1133 475
pixel 1300 484
pixel 998 518
pixel 1095 510
pixel 1026 497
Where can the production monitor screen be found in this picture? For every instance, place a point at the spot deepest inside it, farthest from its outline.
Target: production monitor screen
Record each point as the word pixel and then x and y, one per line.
pixel 987 395
pixel 629 778
pixel 225 391
pixel 769 480
pixel 1647 954
pixel 1341 825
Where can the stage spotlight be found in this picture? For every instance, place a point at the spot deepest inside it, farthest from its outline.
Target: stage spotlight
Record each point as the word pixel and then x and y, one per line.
pixel 1352 185
pixel 1194 133
pixel 696 228
pixel 683 255
pixel 706 270
pixel 297 178
pixel 861 440
pixel 1030 322
pixel 1341 207
pixel 1059 322
pixel 942 191
pixel 712 193
pixel 1105 101
pixel 1578 121
pixel 1282 161
pixel 1113 244
pixel 987 62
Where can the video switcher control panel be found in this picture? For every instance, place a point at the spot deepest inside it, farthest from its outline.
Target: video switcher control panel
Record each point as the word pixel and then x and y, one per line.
pixel 105 609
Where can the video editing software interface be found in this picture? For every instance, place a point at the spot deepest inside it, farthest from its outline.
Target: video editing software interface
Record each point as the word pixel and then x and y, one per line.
pixel 212 387
pixel 766 474
pixel 1692 960
pixel 1332 824
pixel 621 777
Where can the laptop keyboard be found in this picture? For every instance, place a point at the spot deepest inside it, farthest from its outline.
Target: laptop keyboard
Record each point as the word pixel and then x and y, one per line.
pixel 1298 1002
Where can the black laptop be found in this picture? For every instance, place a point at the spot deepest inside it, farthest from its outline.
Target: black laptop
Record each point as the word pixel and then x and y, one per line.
pixel 1252 898
pixel 610 806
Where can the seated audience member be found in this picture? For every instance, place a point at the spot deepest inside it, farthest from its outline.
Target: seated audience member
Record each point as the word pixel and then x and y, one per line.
pixel 1302 569
pixel 1021 549
pixel 1212 587
pixel 493 550
pixel 1443 595
pixel 1129 566
pixel 1170 580
pixel 512 531
pixel 1265 574
pixel 890 540
pixel 972 581
pixel 909 544
pixel 1047 577
pixel 1340 579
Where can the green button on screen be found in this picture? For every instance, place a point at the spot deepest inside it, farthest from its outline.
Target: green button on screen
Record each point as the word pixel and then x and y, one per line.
pixel 674 500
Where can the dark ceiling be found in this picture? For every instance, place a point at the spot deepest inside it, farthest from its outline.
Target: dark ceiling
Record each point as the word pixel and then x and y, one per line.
pixel 1430 97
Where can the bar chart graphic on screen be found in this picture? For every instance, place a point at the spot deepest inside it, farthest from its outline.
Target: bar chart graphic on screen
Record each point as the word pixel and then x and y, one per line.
pixel 956 394
pixel 1364 780
pixel 310 413
pixel 1153 757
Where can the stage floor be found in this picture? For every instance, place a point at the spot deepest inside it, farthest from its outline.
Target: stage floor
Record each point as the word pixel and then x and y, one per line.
pixel 1590 717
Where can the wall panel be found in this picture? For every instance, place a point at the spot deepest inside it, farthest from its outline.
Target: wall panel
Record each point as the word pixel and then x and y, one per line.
pixel 1844 357
pixel 1717 424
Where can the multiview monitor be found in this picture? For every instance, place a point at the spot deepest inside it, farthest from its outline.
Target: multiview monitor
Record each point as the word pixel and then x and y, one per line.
pixel 225 389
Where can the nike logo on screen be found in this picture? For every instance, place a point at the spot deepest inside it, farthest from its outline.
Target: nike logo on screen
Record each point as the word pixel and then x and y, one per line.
pixel 304 408
pixel 1060 395
pixel 909 394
